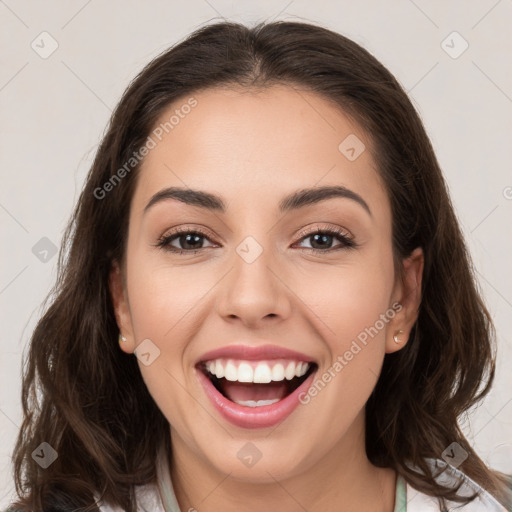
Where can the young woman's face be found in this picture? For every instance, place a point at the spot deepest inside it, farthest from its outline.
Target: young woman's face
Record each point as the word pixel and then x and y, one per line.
pixel 257 288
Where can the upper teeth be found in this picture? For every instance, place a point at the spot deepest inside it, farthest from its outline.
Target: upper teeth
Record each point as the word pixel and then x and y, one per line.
pixel 257 372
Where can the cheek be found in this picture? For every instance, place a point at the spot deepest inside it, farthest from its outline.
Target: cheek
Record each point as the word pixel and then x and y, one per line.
pixel 348 299
pixel 355 341
pixel 164 302
pixel 162 296
pixel 352 309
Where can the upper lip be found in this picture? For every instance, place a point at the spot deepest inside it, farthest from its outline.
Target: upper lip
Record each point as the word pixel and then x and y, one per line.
pixel 251 353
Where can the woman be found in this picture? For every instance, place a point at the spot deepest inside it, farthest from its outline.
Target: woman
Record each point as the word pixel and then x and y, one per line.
pixel 267 232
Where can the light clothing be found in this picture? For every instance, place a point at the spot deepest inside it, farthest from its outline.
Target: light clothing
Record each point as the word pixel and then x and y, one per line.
pixel 160 497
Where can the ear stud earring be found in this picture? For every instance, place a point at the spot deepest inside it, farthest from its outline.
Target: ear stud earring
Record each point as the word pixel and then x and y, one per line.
pixel 395 337
pixel 121 339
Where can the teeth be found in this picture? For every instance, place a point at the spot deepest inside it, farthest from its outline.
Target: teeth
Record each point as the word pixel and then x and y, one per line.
pixel 289 373
pixel 219 370
pixel 278 372
pixel 261 372
pixel 245 373
pixel 254 403
pixel 298 370
pixel 231 372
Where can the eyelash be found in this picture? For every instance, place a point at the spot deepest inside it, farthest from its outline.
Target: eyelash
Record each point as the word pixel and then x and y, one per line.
pixel 346 241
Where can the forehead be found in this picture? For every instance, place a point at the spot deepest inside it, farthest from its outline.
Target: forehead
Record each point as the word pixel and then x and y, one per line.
pixel 258 144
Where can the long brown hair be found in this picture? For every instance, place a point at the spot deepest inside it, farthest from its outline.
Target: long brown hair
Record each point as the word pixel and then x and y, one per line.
pixel 86 398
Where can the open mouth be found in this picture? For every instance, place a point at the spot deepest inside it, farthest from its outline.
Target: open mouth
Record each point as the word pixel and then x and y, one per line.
pixel 256 383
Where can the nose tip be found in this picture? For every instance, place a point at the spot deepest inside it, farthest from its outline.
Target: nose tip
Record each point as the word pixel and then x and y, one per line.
pixel 253 294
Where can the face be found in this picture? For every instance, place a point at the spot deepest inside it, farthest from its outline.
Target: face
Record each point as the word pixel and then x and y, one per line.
pixel 263 316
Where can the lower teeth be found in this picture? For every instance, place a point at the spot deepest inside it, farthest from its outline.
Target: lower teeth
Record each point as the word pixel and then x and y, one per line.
pixel 258 403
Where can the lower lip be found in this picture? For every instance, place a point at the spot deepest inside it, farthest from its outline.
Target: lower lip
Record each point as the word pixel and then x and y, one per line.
pixel 254 417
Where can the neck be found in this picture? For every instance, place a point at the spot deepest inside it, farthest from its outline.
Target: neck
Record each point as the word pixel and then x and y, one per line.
pixel 342 480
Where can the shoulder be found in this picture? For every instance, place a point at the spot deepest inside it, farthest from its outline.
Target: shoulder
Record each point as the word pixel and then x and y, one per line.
pixel 148 498
pixel 484 502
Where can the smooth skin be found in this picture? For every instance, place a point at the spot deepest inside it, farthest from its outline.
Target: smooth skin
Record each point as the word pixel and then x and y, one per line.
pixel 252 148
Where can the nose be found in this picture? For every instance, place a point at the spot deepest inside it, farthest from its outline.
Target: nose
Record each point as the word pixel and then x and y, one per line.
pixel 254 293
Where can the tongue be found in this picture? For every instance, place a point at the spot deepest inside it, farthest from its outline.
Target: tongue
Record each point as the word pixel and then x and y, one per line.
pixel 242 391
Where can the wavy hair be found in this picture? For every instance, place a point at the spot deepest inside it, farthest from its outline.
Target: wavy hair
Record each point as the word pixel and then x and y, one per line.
pixel 87 399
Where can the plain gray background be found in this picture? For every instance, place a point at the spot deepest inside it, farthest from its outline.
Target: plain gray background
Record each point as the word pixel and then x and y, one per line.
pixel 55 108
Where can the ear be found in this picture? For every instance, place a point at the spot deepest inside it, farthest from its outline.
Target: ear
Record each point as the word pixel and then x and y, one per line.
pixel 118 293
pixel 407 293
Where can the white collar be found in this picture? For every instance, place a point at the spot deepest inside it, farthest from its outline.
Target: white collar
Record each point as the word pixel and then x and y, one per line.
pixel 420 502
pixel 151 497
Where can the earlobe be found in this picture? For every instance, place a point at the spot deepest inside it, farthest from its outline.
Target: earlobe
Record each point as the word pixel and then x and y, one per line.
pixel 408 291
pixel 121 308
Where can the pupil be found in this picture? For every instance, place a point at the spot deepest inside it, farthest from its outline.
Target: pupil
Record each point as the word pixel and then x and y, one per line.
pixel 323 238
pixel 188 242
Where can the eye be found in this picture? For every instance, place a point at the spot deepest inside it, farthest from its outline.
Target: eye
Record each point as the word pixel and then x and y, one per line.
pixel 321 240
pixel 189 241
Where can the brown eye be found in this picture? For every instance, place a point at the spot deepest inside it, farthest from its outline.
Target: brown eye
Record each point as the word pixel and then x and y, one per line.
pixel 322 240
pixel 185 241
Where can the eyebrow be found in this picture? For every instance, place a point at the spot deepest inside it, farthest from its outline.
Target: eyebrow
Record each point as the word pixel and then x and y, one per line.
pixel 292 202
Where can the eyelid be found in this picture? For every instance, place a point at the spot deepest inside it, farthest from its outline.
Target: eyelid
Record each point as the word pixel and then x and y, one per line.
pixel 304 232
pixel 187 229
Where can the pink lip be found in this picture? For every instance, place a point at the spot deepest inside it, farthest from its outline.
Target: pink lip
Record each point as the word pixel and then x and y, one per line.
pixel 249 353
pixel 253 417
